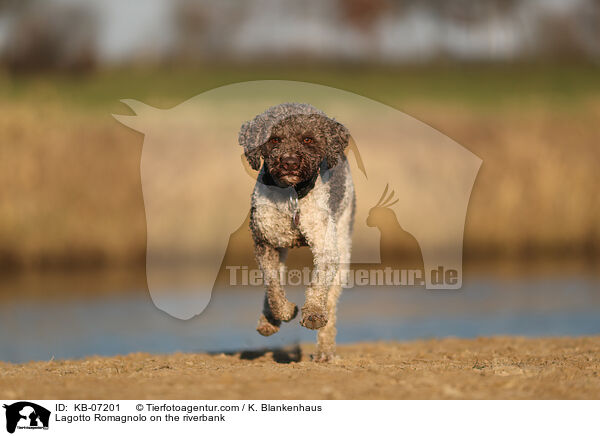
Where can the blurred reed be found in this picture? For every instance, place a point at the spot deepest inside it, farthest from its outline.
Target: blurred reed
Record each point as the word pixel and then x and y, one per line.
pixel 70 174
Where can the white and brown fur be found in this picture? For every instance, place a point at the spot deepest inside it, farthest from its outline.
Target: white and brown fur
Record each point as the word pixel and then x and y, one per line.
pixel 326 212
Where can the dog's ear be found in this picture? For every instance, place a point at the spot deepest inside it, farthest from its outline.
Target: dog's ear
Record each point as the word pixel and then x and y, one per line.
pixel 253 157
pixel 248 138
pixel 337 140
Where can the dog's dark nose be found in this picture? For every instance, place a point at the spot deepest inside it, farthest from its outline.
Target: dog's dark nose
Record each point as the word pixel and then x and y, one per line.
pixel 290 162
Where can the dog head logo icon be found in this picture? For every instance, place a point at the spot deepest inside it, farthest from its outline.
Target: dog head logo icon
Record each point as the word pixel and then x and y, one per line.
pixel 26 415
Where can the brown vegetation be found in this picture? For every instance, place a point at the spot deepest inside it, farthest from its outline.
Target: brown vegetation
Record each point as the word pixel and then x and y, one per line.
pixel 72 192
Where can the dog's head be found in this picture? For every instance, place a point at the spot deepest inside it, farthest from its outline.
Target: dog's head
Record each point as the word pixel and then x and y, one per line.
pixel 293 144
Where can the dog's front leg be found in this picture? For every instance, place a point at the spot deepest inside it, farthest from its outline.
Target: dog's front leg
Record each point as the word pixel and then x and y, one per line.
pixel 276 306
pixel 326 263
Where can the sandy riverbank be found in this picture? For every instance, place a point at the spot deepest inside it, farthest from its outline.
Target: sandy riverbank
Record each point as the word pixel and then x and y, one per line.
pixel 484 368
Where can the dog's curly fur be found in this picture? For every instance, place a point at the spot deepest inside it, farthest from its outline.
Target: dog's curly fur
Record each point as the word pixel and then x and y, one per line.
pixel 314 144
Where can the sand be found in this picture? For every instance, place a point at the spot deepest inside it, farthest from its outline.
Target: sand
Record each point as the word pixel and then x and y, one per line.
pixel 484 368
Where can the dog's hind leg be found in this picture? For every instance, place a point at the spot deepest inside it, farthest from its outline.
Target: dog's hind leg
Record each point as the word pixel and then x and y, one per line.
pixel 326 336
pixel 276 306
pixel 267 324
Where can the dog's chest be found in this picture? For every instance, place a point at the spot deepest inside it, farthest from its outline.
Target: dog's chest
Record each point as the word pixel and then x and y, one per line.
pixel 273 219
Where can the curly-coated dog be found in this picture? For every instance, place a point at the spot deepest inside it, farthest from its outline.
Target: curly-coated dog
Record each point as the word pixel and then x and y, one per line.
pixel 304 195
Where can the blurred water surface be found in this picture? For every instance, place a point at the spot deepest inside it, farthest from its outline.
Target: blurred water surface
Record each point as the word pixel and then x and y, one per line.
pixel 119 323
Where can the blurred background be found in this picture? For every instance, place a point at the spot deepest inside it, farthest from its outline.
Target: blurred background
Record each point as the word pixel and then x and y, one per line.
pixel 516 82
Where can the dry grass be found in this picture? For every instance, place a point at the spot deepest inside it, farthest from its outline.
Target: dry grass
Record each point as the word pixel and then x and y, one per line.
pixel 71 191
pixel 71 188
pixel 536 193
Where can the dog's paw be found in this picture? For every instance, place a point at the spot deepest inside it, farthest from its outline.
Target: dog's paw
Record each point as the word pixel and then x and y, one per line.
pixel 289 313
pixel 322 357
pixel 266 327
pixel 284 312
pixel 313 319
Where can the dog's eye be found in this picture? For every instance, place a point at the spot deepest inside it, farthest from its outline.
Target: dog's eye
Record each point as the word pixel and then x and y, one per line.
pixel 274 140
pixel 308 140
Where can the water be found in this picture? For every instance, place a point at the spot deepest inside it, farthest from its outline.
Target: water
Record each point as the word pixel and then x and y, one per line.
pixel 129 322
